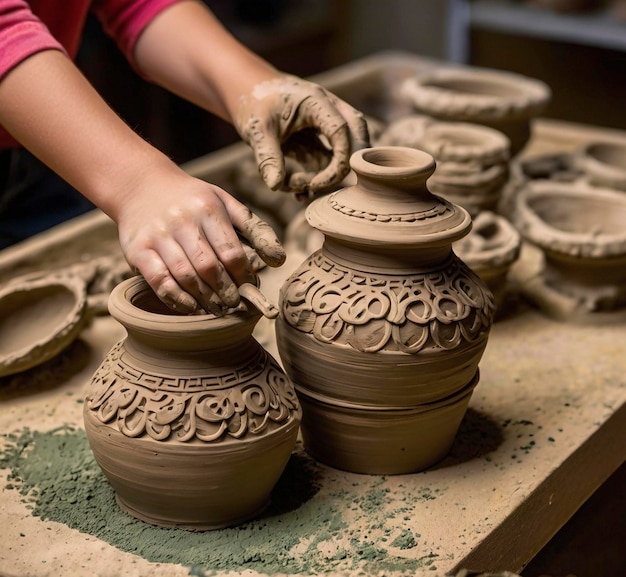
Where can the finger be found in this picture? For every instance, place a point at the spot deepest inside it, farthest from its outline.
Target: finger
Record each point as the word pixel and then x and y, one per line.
pixel 158 276
pixel 265 144
pixel 357 125
pixel 202 273
pixel 258 233
pixel 324 115
pixel 338 167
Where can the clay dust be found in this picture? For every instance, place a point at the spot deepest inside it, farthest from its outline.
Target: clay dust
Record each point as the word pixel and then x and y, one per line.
pixel 308 529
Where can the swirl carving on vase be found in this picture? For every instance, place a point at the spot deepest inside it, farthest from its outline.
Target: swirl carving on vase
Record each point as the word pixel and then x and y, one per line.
pixel 370 312
pixel 209 409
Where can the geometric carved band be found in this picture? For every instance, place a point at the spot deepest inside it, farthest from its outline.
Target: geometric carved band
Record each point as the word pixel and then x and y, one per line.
pixel 260 400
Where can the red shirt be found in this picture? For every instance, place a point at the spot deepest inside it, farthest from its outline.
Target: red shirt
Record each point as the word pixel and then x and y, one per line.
pixel 30 27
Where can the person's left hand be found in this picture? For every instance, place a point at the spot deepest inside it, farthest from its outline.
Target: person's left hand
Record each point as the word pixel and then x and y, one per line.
pixel 294 118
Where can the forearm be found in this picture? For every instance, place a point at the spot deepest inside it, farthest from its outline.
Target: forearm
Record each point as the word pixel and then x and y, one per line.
pixel 53 111
pixel 187 50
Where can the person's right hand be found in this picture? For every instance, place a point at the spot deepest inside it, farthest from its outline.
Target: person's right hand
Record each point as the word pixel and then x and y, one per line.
pixel 181 234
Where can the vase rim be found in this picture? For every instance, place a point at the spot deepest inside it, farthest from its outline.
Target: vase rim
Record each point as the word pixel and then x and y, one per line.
pixel 130 315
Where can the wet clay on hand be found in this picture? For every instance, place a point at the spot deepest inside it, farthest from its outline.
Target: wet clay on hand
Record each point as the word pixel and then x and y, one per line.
pixel 292 114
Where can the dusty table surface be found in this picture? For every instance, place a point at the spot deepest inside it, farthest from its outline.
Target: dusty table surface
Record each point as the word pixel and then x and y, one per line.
pixel 546 426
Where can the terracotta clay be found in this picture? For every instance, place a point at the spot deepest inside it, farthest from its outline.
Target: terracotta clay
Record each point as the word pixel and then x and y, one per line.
pixel 189 418
pixel 384 325
pixel 472 164
pixel 581 231
pixel 490 249
pixel 43 312
pixel 501 100
pixel 39 318
pixel 603 164
pixel 405 131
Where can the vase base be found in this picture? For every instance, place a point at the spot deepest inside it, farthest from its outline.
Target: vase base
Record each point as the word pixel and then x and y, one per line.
pixel 195 525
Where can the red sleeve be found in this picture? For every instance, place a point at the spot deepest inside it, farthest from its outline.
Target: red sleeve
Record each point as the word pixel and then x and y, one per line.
pixel 125 20
pixel 22 34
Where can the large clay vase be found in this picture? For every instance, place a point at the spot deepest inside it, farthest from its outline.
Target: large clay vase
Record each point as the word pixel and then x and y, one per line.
pixel 190 419
pixel 502 100
pixel 382 329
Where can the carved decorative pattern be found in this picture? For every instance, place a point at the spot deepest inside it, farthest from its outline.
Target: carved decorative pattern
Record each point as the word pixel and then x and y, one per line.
pixel 370 312
pixel 436 211
pixel 251 401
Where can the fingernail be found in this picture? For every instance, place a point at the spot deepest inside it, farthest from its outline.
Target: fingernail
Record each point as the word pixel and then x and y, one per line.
pixel 185 304
pixel 271 176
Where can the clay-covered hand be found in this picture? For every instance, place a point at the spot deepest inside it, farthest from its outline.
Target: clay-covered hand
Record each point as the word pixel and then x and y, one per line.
pixel 183 235
pixel 291 117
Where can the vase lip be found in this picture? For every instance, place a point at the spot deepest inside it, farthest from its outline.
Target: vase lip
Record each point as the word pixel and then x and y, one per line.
pixel 394 162
pixel 130 315
pixel 543 233
pixel 390 205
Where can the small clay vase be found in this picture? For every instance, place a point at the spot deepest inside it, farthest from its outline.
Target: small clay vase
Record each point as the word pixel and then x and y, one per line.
pixel 381 330
pixel 190 419
pixel 580 230
pixel 603 164
pixel 502 100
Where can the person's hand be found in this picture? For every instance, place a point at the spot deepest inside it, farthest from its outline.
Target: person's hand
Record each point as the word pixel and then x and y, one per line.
pixel 182 235
pixel 291 117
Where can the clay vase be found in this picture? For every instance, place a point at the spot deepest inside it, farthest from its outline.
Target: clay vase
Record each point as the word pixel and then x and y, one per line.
pixel 580 231
pixel 381 329
pixel 490 250
pixel 189 418
pixel 603 164
pixel 502 100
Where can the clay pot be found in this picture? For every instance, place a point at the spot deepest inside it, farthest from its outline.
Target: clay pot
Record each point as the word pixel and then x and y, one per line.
pixel 384 326
pixel 501 100
pixel 491 248
pixel 581 231
pixel 603 164
pixel 189 418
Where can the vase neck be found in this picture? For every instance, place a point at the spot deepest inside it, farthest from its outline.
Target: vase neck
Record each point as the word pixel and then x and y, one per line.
pixel 386 260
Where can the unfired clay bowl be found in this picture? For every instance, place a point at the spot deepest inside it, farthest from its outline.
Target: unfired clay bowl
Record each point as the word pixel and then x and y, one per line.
pixel 490 250
pixel 582 233
pixel 604 164
pixel 39 317
pixel 472 163
pixel 502 100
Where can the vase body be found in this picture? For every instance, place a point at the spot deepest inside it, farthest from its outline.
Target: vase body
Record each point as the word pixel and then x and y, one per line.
pixel 190 419
pixel 382 329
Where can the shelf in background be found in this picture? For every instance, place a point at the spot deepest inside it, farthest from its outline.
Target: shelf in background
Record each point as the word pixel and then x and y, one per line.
pixel 598 28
